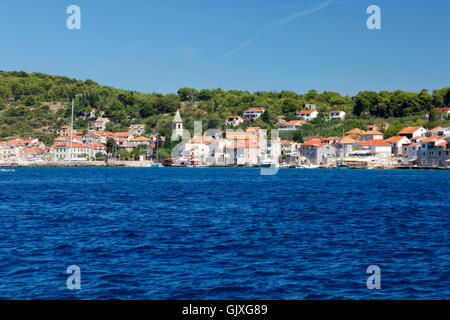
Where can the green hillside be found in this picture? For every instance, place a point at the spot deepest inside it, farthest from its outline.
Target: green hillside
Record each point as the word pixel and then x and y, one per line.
pixel 38 104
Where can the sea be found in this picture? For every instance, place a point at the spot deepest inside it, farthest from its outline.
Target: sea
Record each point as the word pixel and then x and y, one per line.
pixel 224 233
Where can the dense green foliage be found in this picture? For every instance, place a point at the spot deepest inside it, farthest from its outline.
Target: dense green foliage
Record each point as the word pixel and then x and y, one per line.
pixel 37 104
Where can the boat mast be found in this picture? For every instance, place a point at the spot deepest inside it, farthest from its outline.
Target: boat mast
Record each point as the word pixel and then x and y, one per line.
pixel 157 144
pixel 71 131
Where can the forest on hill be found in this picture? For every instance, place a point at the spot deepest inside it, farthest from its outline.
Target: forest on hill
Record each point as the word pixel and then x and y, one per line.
pixel 37 104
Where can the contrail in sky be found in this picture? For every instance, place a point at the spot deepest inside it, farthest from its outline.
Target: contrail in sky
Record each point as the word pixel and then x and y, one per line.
pixel 283 21
pixel 299 14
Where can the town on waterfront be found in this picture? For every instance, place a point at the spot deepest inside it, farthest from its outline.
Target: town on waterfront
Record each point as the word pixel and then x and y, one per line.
pixel 411 147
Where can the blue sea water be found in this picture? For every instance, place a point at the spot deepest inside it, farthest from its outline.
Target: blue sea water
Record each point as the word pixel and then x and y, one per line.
pixel 215 233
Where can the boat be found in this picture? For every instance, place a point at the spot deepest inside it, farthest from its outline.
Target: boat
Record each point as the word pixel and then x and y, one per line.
pixel 340 165
pixel 309 166
pixel 7 170
pixel 157 164
pixel 269 164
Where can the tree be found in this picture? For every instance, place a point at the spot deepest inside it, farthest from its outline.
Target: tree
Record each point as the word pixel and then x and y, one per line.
pixel 425 100
pixel 297 136
pixel 432 115
pixel 187 94
pixel 205 95
pixel 136 153
pixel 124 154
pixel 289 106
pixel 99 156
pixel 364 101
pixel 392 130
pixel 213 123
pixel 265 117
pixel 111 146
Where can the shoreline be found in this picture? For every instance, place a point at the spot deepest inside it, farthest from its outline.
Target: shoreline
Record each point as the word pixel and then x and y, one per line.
pixel 149 164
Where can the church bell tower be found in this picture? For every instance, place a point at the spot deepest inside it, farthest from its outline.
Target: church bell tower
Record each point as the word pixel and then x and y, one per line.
pixel 177 126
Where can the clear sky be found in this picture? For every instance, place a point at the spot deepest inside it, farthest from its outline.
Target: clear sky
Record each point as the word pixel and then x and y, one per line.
pixel 162 45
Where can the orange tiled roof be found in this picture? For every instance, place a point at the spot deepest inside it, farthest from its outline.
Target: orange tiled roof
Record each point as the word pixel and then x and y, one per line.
pixel 16 142
pixel 355 131
pixel 141 139
pixel 319 145
pixel 409 130
pixel 307 111
pixel 103 133
pixel 206 139
pixel 414 144
pixel 430 139
pixel 243 144
pixel 293 122
pixel 312 142
pixel 256 109
pixel 98 146
pixel 435 129
pixel 394 139
pixel 371 132
pixel 374 143
pixel 347 140
pixel 67 145
pixel 252 129
pixel 34 150
pixel 122 134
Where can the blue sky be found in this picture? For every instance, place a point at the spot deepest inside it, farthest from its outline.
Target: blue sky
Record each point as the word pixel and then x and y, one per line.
pixel 162 45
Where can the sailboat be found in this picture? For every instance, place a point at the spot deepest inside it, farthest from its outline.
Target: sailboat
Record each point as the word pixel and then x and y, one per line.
pixel 157 164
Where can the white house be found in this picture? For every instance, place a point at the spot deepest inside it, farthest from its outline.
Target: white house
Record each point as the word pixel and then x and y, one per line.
pixel 95 148
pixel 411 153
pixel 196 150
pixel 444 113
pixel 137 129
pixel 100 124
pixel 253 113
pixel 397 143
pixel 371 135
pixel 346 145
pixel 291 125
pixel 234 121
pixel 438 132
pixel 68 151
pixel 375 147
pixel 308 115
pixel 336 114
pixel 411 132
pixel 247 152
